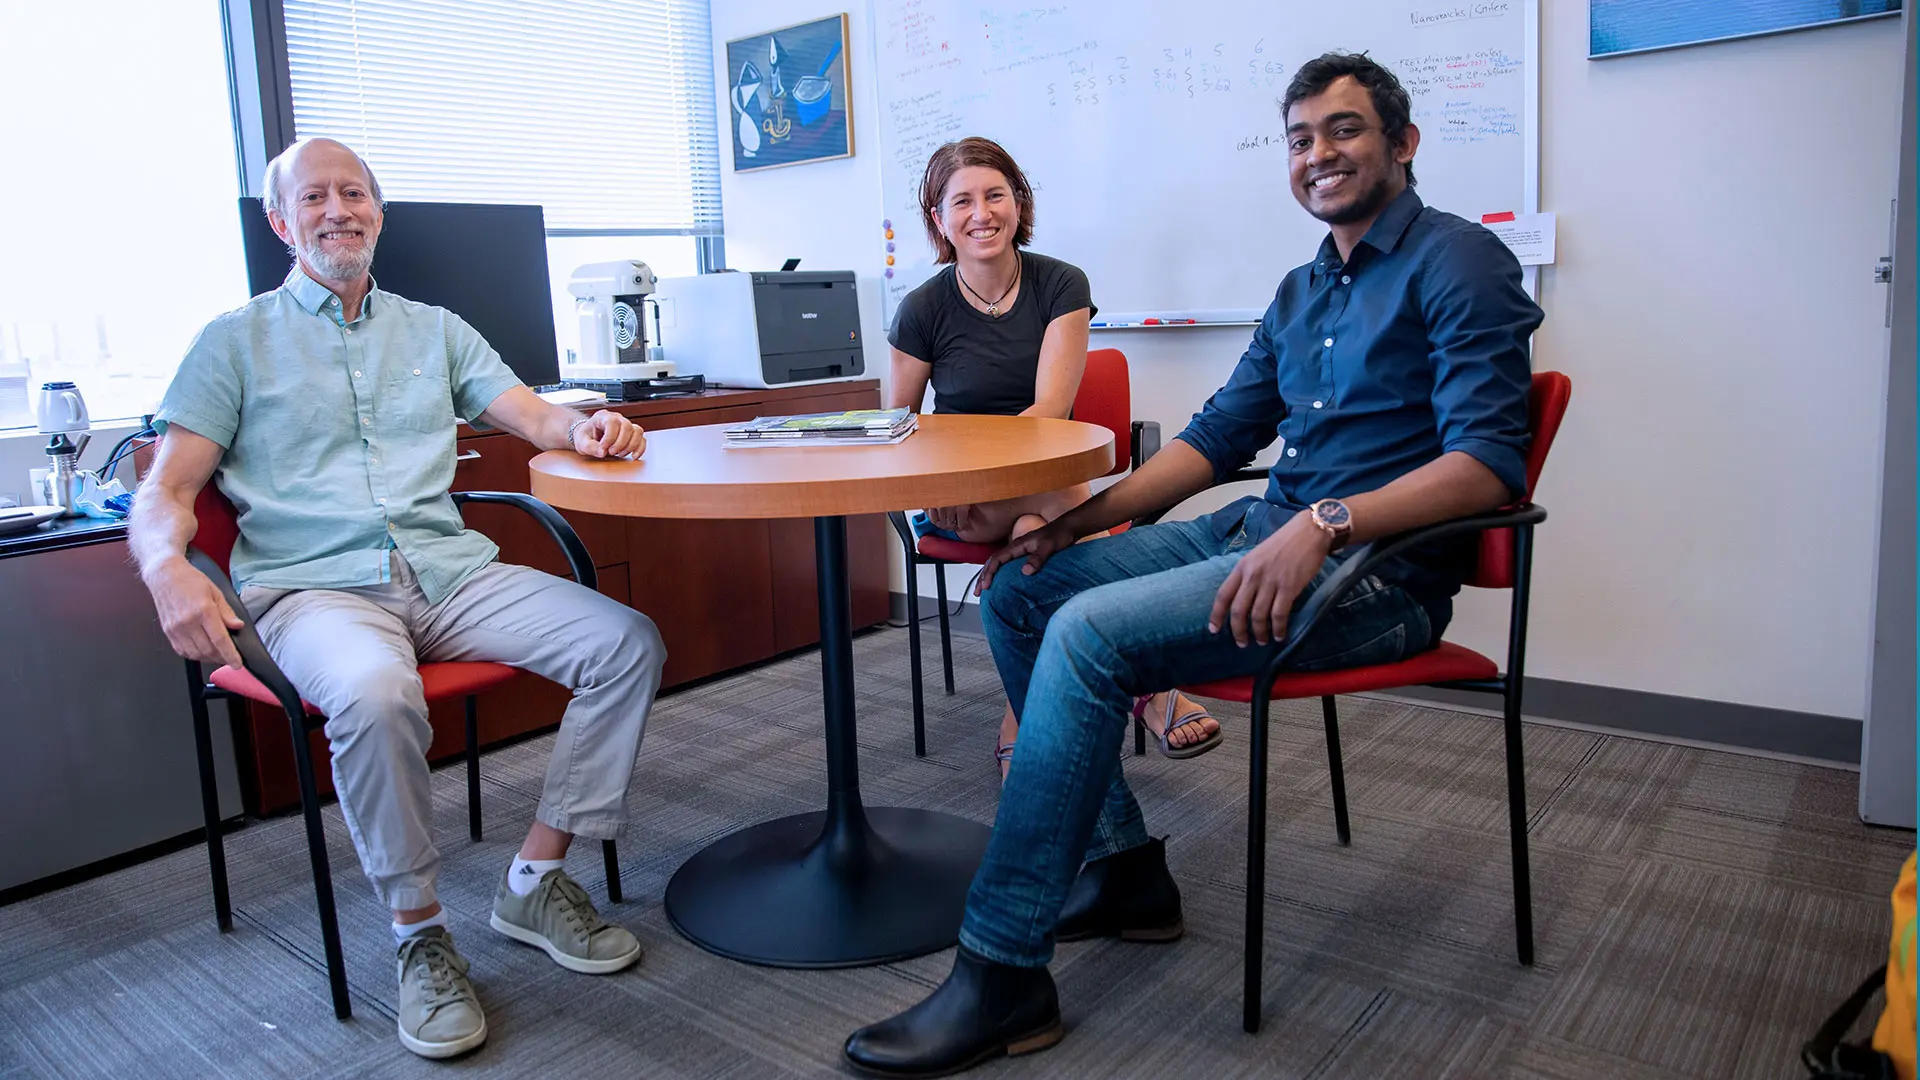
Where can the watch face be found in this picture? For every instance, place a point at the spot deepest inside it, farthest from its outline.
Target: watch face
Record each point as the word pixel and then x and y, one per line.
pixel 1332 512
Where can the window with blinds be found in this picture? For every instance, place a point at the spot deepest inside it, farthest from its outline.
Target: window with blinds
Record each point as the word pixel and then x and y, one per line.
pixel 599 110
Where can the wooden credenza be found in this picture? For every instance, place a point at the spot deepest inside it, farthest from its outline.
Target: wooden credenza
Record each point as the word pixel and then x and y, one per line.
pixel 725 594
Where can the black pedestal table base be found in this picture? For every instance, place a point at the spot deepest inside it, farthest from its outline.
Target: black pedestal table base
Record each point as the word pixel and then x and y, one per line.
pixel 846 886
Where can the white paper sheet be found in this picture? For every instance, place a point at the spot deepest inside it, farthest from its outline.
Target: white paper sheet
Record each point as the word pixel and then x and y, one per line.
pixel 1528 236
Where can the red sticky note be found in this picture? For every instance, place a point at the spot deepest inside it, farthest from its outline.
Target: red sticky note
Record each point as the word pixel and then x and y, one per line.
pixel 1490 219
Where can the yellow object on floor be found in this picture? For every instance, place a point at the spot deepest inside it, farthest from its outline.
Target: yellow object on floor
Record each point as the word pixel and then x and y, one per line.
pixel 1894 1036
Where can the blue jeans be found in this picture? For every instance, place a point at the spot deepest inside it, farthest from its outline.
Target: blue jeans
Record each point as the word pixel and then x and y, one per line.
pixel 1102 623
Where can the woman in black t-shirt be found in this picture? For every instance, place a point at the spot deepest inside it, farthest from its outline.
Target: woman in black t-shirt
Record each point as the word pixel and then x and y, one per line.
pixel 1004 331
pixel 998 330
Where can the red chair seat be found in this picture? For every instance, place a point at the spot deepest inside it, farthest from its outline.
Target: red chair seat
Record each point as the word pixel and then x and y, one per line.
pixel 1446 663
pixel 957 551
pixel 453 679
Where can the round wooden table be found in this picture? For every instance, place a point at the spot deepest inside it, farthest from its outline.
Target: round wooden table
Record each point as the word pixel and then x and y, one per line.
pixel 849 885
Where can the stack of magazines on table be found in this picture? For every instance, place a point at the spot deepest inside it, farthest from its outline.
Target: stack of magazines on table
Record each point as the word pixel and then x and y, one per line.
pixel 856 427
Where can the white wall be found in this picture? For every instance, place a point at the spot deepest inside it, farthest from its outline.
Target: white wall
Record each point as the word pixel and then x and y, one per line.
pixel 1713 490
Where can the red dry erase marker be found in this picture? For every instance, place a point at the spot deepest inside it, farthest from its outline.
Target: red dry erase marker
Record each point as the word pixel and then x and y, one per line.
pixel 1150 322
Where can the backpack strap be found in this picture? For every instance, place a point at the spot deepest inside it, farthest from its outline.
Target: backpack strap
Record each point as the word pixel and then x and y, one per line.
pixel 1827 1058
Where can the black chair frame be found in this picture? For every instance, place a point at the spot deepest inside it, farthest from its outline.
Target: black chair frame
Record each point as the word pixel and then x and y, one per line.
pixel 1365 559
pixel 261 666
pixel 1143 442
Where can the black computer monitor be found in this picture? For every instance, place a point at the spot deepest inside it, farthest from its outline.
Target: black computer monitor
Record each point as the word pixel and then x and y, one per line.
pixel 486 263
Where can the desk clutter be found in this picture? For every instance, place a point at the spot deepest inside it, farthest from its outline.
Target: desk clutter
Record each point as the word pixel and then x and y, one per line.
pixel 632 389
pixel 853 427
pixel 753 330
pixel 63 485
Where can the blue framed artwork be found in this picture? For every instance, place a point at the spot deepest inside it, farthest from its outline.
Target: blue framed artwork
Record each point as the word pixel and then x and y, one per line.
pixel 1616 27
pixel 787 95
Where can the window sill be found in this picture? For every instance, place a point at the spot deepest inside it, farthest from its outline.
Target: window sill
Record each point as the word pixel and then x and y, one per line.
pixel 101 429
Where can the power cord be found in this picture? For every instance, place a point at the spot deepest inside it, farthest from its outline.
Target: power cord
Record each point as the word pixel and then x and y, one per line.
pixel 126 447
pixel 957 604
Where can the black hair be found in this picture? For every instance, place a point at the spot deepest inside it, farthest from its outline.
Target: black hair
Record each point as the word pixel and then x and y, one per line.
pixel 1390 99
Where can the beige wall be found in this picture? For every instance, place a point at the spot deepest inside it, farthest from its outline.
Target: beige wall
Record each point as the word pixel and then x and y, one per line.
pixel 1714 490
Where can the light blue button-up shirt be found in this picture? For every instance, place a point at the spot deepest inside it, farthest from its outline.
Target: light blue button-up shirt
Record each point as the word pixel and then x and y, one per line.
pixel 339 436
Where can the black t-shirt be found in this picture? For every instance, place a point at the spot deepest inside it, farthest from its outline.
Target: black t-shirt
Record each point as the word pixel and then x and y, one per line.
pixel 983 364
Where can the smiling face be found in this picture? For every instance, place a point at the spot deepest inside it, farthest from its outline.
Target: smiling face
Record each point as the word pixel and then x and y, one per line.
pixel 979 214
pixel 1343 169
pixel 331 217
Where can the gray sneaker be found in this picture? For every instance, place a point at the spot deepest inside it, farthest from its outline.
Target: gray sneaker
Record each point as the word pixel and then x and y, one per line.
pixel 558 917
pixel 439 1014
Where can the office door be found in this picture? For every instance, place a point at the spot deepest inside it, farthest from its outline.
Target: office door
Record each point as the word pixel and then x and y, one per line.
pixel 1887 742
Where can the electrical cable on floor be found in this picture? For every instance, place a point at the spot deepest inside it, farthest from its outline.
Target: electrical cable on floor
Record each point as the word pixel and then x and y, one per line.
pixel 957 604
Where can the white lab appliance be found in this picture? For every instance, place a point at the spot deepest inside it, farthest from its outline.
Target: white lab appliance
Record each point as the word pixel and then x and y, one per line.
pixel 609 313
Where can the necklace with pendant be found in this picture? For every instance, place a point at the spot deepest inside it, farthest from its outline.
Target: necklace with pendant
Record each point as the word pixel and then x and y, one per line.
pixel 993 306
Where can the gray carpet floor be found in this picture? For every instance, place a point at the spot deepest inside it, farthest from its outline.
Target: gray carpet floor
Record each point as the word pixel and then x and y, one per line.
pixel 1697 913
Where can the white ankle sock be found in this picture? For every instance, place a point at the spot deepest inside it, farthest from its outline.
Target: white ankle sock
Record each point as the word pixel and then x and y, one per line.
pixel 525 874
pixel 403 931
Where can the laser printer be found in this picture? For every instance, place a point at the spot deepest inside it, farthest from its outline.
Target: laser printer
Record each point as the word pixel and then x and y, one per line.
pixel 762 329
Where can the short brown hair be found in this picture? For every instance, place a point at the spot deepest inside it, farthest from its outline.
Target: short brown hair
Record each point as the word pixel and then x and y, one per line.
pixel 969 152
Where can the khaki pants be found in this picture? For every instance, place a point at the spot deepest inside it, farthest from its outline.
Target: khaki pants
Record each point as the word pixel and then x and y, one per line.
pixel 354 653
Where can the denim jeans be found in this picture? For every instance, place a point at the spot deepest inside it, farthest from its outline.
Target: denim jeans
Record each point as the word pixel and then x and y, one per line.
pixel 1100 624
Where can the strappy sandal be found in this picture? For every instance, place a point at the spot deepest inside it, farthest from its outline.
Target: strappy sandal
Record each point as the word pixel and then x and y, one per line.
pixel 1003 755
pixel 1167 724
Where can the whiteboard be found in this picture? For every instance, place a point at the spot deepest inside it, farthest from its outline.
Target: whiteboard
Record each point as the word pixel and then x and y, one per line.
pixel 1151 134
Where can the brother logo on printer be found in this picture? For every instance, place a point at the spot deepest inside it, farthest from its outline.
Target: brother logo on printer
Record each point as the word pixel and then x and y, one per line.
pixel 809 314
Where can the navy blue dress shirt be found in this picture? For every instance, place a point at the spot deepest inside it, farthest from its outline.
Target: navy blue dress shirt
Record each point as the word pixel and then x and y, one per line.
pixel 1415 347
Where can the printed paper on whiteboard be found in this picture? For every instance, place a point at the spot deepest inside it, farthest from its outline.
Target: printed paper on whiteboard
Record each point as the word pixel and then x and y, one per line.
pixel 1528 236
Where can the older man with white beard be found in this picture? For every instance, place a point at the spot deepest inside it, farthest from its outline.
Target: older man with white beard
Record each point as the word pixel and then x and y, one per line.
pixel 325 410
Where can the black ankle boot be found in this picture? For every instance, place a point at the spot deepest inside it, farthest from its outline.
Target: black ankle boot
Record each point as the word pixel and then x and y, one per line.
pixel 1128 895
pixel 982 1011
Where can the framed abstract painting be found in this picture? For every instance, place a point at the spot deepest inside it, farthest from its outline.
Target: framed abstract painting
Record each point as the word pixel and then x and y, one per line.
pixel 1618 27
pixel 787 95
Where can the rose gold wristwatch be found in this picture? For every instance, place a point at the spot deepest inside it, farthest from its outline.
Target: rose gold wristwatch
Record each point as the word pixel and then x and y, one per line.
pixel 1334 519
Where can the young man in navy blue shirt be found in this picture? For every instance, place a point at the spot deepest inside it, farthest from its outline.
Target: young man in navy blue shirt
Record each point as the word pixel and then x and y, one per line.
pixel 1395 368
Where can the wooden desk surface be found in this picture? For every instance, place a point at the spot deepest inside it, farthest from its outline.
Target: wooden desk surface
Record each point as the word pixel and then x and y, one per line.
pixel 777 400
pixel 689 473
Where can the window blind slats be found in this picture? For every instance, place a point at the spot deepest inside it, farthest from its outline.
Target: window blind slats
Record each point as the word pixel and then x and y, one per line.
pixel 599 110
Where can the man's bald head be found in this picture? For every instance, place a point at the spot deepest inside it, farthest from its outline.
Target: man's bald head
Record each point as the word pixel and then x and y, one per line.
pixel 273 196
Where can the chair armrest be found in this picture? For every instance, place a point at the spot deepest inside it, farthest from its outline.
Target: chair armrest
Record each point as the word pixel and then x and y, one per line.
pixel 1368 556
pixel 898 519
pixel 253 651
pixel 1146 442
pixel 557 527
